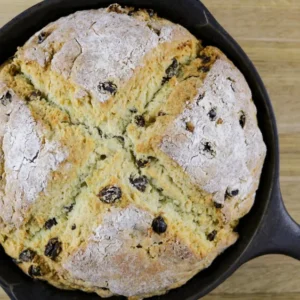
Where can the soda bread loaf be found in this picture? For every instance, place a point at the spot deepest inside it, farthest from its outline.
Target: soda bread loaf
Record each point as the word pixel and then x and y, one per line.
pixel 128 154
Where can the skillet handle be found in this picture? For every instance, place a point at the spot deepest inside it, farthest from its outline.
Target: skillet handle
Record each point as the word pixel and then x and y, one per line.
pixel 278 234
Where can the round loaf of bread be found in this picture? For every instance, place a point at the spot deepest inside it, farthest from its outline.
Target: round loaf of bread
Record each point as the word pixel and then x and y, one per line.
pixel 128 153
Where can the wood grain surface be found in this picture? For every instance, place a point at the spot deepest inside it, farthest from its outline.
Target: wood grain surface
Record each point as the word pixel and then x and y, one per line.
pixel 269 32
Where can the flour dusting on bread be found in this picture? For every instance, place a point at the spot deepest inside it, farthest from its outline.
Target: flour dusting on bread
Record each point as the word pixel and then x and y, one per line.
pixel 28 162
pixel 217 152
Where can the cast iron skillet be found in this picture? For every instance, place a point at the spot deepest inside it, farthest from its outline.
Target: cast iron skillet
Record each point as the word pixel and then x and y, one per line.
pixel 267 229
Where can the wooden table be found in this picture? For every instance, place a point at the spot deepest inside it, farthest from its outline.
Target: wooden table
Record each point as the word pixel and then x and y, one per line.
pixel 269 31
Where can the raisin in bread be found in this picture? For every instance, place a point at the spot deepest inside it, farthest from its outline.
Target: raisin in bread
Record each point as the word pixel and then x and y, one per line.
pixel 129 152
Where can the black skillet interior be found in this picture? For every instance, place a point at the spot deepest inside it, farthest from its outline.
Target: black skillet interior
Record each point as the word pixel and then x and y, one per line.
pixel 194 16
